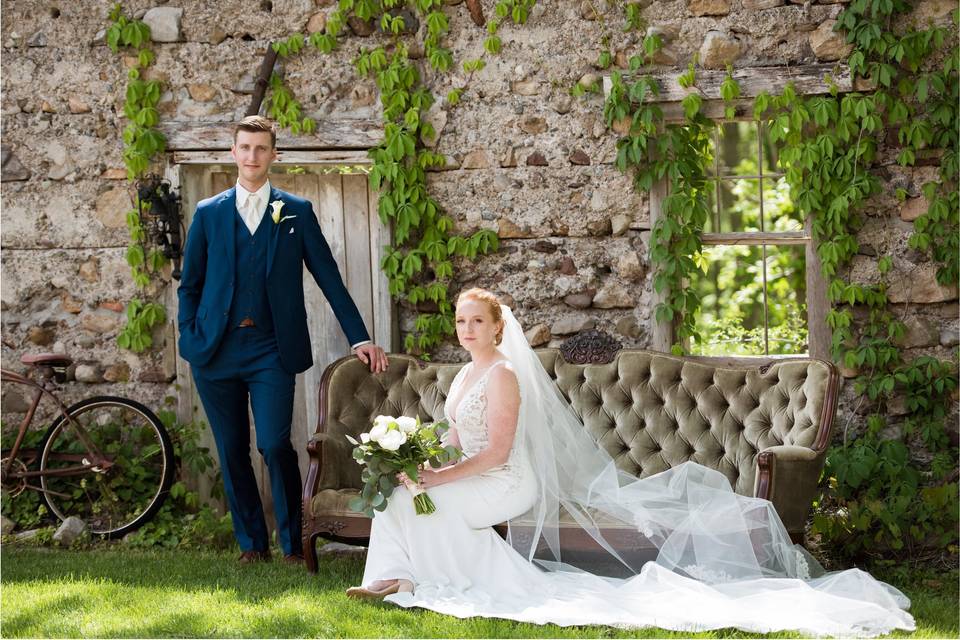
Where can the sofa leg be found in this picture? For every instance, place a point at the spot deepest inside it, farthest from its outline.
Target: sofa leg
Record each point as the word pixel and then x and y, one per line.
pixel 310 552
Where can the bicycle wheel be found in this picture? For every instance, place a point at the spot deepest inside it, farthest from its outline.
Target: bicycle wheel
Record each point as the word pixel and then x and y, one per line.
pixel 115 498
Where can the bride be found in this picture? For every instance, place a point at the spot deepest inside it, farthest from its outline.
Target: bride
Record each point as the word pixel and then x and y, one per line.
pixel 724 560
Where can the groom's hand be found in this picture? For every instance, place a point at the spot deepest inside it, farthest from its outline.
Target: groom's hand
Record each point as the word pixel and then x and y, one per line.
pixel 372 355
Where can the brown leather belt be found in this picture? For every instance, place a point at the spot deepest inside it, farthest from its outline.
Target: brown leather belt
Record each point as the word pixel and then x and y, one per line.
pixel 247 322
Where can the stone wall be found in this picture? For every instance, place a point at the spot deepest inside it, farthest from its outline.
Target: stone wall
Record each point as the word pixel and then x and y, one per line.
pixel 524 158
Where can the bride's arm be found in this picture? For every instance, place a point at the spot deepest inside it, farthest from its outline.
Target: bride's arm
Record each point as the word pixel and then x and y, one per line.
pixel 503 407
pixel 451 437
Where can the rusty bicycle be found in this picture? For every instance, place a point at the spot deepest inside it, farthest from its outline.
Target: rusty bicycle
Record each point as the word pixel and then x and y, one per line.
pixel 107 460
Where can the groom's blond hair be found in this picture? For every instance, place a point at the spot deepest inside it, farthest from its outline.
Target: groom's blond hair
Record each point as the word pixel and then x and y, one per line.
pixel 256 124
pixel 492 302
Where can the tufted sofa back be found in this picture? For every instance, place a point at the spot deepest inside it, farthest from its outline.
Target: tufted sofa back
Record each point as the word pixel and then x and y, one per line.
pixel 650 411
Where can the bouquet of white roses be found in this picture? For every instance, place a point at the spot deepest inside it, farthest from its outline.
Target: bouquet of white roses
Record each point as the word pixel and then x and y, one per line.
pixel 397 445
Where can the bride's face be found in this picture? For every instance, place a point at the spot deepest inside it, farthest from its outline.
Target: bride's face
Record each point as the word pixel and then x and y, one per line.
pixel 476 329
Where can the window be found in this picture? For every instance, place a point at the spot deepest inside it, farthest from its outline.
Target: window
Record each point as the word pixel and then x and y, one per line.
pixel 760 272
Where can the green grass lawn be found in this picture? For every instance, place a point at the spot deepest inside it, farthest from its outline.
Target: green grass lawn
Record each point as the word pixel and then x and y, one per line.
pixel 115 592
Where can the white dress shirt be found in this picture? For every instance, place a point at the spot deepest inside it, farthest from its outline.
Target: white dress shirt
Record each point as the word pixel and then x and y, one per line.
pixel 251 206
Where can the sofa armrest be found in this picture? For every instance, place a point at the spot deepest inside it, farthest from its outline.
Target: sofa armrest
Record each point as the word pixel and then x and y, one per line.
pixel 787 476
pixel 340 445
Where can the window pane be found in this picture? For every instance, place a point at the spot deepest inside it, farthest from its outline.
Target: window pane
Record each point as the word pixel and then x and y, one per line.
pixel 779 214
pixel 739 205
pixel 737 152
pixel 771 153
pixel 732 315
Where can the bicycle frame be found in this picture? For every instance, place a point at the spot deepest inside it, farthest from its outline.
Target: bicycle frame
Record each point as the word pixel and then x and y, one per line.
pixel 96 459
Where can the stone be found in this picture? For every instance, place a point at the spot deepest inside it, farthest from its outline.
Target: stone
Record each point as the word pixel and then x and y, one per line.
pixel 949 338
pixel 579 300
pixel 89 373
pixel 718 50
pixel 538 335
pixel 919 333
pixel 544 246
pixel 40 336
pixel 622 125
pixel 317 23
pixel 341 550
pixel 156 374
pixel 89 270
pixel 98 322
pixel 588 80
pixel 599 227
pixel 927 11
pixel 13 401
pixel 70 304
pixel 437 117
pixel 589 10
pixel 112 305
pixel 114 173
pixel 112 207
pixel 71 529
pixel 619 224
pixel 537 159
pixel 245 84
pixel 897 406
pixel 11 169
pixel 760 5
pixel 921 286
pixel 561 103
pixel 27 536
pixel 629 266
pixel 164 23
pixel 77 105
pixel 708 7
pixel 627 326
pixel 533 125
pixel 119 372
pixel 568 267
pixel 571 324
pixel 38 39
pixel 6 525
pixel 827 44
pixel 477 159
pixel 913 208
pixel 848 372
pixel 507 229
pixel 201 92
pixel 525 87
pixel 361 28
pixel 46 107
pixel 216 35
pixel 579 157
pixel 614 296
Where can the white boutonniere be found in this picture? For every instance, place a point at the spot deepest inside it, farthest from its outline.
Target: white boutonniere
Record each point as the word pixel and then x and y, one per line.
pixel 275 214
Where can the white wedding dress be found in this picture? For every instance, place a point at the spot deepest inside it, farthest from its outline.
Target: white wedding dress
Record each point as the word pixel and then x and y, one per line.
pixel 461 567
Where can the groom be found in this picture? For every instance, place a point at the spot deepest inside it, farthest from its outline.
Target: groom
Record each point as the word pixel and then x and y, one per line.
pixel 243 329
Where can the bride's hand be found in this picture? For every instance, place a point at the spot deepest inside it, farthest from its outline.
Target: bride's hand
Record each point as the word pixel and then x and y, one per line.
pixel 430 478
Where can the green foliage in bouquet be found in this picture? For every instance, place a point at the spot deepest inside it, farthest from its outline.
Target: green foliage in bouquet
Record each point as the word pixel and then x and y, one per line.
pixel 397 445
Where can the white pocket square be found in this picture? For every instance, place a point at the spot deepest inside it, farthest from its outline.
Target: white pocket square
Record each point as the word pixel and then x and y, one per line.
pixel 291 229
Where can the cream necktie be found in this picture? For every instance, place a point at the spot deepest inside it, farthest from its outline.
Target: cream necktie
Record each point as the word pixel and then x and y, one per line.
pixel 252 212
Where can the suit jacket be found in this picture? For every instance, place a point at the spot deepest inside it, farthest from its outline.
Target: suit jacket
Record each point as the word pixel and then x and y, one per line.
pixel 209 269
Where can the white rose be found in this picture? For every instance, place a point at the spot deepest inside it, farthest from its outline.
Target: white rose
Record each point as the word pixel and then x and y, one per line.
pixel 364 438
pixel 379 430
pixel 393 439
pixel 407 424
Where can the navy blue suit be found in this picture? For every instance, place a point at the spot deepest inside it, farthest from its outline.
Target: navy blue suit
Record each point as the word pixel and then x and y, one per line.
pixel 231 275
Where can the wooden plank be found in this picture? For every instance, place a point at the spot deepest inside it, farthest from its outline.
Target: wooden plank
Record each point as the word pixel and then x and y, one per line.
pixel 330 134
pixel 806 80
pixel 663 333
pixel 356 222
pixel 749 238
pixel 294 156
pixel 285 182
pixel 819 337
pixel 384 315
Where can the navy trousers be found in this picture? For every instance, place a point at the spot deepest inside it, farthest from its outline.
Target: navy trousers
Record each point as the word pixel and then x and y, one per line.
pixel 246 368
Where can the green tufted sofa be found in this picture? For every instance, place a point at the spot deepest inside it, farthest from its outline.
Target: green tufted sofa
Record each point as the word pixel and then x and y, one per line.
pixel 766 428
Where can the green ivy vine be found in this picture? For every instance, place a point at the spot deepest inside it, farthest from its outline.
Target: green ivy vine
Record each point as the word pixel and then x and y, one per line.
pixel 142 143
pixel 420 264
pixel 892 489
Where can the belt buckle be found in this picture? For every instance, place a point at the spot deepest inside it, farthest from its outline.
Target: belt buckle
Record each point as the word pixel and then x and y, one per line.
pixel 247 322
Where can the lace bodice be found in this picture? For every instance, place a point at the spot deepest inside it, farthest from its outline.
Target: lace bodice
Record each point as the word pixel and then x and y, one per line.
pixel 469 418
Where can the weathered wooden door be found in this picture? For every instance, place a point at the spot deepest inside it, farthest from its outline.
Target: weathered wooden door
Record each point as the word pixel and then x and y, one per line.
pixel 347 212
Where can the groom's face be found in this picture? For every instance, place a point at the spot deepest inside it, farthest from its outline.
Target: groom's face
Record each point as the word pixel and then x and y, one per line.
pixel 253 153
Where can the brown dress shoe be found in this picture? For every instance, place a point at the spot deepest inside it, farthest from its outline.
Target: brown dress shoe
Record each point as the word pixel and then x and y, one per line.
pixel 293 558
pixel 249 557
